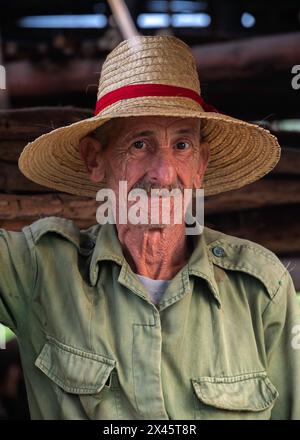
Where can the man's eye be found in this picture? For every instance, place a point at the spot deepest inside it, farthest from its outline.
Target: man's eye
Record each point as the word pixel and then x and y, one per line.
pixel 139 144
pixel 182 145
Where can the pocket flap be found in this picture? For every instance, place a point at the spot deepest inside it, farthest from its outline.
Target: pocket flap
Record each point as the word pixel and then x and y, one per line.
pixel 249 392
pixel 75 371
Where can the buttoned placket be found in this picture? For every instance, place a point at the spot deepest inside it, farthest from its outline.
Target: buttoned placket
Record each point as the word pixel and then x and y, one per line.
pixel 146 353
pixel 147 341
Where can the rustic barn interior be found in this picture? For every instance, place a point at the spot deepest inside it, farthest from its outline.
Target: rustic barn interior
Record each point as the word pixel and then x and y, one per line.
pixel 248 56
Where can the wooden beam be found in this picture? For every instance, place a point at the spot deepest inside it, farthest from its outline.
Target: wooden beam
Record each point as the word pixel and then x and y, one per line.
pixel 13 181
pixel 17 211
pixel 10 150
pixel 264 192
pixel 247 57
pixel 289 162
pixel 260 194
pixel 277 230
pixel 30 207
pixel 215 62
pixel 19 126
pixel 27 79
pixel 29 123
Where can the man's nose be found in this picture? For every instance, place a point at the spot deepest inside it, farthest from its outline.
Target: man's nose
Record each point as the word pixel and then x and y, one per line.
pixel 162 169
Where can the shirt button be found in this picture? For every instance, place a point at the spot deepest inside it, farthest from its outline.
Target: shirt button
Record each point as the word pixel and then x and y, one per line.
pixel 218 251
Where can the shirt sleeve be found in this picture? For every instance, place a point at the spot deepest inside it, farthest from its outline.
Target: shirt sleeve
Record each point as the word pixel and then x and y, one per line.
pixel 16 278
pixel 282 336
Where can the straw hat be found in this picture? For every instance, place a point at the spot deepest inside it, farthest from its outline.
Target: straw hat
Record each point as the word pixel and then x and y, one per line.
pixel 153 75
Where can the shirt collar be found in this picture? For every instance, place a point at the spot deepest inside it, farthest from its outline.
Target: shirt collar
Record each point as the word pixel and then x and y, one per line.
pixel 108 247
pixel 200 264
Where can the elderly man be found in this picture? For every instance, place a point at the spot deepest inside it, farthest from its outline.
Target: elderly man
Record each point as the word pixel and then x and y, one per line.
pixel 150 152
pixel 142 321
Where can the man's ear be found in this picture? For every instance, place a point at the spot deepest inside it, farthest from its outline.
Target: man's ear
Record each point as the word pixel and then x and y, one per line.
pixel 203 162
pixel 90 150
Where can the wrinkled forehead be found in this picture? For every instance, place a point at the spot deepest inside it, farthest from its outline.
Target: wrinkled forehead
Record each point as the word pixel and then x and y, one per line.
pixel 156 122
pixel 121 127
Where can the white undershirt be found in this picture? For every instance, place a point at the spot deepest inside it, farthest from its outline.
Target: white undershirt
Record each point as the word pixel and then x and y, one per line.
pixel 155 288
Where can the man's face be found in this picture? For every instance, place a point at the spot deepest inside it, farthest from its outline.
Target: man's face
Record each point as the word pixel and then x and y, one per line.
pixel 152 152
pixel 159 149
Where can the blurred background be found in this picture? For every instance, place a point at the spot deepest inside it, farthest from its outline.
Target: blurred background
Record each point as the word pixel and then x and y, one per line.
pixel 248 56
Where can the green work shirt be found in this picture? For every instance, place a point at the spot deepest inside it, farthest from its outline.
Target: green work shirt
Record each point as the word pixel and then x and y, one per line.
pixel 222 343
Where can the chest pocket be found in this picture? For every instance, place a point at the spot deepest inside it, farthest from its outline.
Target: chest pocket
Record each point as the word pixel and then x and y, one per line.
pixel 249 396
pixel 82 381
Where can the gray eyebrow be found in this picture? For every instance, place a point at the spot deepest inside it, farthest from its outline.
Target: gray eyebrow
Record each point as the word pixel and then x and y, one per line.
pixel 142 133
pixel 151 133
pixel 186 131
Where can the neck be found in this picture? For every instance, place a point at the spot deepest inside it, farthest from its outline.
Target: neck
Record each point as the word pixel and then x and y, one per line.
pixel 155 253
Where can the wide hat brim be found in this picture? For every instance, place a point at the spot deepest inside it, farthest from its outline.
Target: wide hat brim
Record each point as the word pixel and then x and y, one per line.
pixel 240 152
